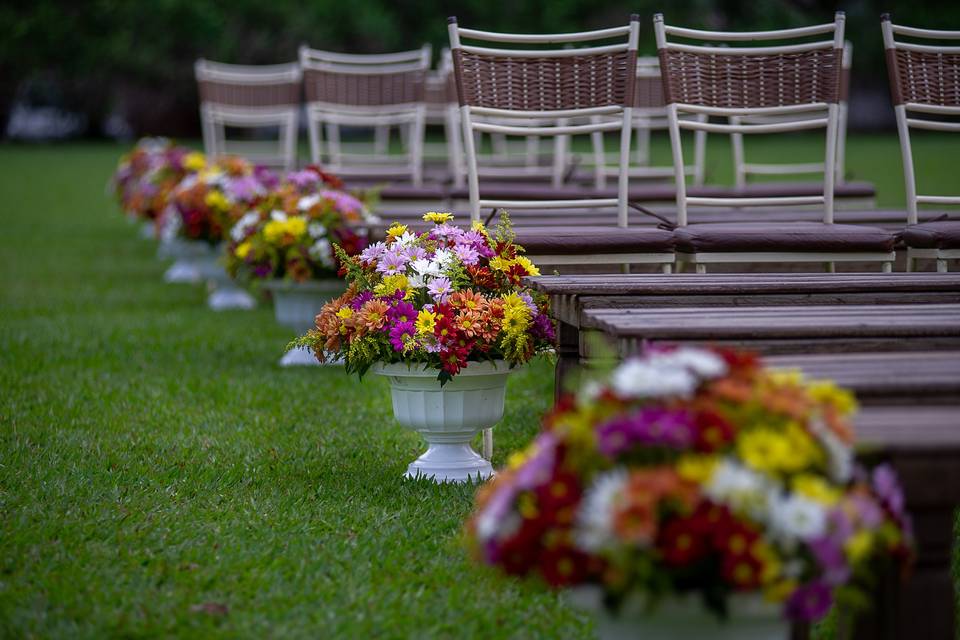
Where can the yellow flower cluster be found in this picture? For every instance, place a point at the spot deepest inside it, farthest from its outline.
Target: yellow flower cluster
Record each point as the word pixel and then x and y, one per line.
pixel 276 230
pixel 779 450
pixel 243 250
pixel 499 263
pixel 426 322
pixel 396 230
pixel 516 314
pixel 433 216
pixel 391 284
pixel 194 161
pixel 216 200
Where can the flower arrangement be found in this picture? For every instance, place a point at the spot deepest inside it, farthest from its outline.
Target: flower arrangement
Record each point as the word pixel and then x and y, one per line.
pixel 443 298
pixel 695 471
pixel 291 231
pixel 146 176
pixel 206 204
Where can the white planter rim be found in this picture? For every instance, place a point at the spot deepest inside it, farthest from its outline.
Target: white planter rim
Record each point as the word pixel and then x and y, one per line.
pixel 324 285
pixel 417 370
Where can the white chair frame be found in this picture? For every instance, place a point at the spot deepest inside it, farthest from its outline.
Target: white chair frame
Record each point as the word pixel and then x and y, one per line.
pixel 330 115
pixel 905 123
pixel 796 118
pixel 558 123
pixel 743 169
pixel 216 117
pixel 646 120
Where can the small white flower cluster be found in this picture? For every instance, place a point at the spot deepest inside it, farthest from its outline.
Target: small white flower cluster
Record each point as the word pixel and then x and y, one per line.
pixel 668 373
pixel 788 516
pixel 244 225
pixel 594 523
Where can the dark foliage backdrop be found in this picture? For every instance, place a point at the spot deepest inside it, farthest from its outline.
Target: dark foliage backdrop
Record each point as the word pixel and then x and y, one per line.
pixel 133 58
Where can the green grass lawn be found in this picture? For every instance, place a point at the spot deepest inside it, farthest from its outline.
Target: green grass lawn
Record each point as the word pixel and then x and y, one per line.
pixel 161 476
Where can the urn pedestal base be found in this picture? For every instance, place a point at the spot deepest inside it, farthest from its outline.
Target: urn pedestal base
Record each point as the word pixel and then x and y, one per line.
pixel 450 463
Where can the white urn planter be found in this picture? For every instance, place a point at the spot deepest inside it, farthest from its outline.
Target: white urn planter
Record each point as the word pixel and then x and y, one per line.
pixel 189 257
pixel 675 618
pixel 296 305
pixel 448 417
pixel 225 294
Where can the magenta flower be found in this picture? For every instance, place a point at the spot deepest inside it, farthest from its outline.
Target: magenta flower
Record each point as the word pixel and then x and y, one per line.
pixel 401 312
pixel 649 426
pixel 810 601
pixel 543 327
pixel 362 298
pixel 399 333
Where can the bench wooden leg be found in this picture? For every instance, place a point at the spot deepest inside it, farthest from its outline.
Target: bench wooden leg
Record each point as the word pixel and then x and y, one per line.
pixel 568 356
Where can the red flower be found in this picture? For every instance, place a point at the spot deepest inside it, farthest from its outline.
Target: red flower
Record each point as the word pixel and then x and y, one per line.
pixel 712 430
pixel 453 359
pixel 328 178
pixel 516 273
pixel 482 277
pixel 561 491
pixel 683 541
pixel 563 565
pixel 743 572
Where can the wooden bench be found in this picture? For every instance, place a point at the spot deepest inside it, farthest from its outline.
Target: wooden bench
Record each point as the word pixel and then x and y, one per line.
pixel 572 297
pixel 786 329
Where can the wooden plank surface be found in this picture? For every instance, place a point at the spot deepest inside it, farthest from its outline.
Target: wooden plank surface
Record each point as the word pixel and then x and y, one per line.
pixel 905 378
pixel 724 323
pixel 719 283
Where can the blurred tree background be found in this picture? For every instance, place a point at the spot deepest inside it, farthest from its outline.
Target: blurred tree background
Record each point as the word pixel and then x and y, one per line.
pixel 133 59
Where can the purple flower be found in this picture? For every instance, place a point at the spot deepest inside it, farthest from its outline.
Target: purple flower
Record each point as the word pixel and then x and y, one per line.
pixel 373 252
pixel 828 552
pixel 888 489
pixel 653 426
pixel 400 331
pixel 402 312
pixel 466 254
pixel 392 262
pixel 245 188
pixel 543 328
pixel 440 288
pixel 539 467
pixel 265 177
pixel 443 231
pixel 303 179
pixel 361 299
pixel 809 602
pixel 343 202
pixel 415 253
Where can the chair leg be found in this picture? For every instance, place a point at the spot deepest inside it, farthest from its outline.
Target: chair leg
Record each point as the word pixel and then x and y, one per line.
pixel 666 268
pixel 941 265
pixel 910 263
pixel 888 267
pixel 830 267
pixel 701 268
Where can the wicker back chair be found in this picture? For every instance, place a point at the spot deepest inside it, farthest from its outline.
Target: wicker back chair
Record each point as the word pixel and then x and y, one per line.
pixel 788 81
pixel 245 96
pixel 925 82
pixel 554 86
pixel 370 91
pixel 743 169
pixel 649 115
